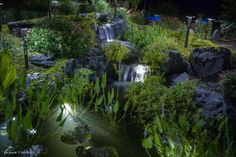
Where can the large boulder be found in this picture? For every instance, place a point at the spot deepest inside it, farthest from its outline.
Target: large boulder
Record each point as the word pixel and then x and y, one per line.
pixel 213 103
pixel 95 61
pixel 42 60
pixel 175 63
pixel 210 61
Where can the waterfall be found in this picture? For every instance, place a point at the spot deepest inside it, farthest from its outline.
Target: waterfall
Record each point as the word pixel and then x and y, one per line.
pixel 106 33
pixel 133 73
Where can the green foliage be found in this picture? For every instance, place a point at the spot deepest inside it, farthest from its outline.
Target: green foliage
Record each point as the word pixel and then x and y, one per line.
pixel 102 6
pixel 145 102
pixel 229 87
pixel 134 4
pixel 45 41
pixel 7 79
pixel 66 7
pixel 115 51
pixel 179 99
pixel 13 44
pixel 74 92
pixel 63 36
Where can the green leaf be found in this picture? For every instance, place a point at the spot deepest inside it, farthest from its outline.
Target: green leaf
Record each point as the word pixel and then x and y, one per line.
pixel 27 122
pixel 60 115
pixel 158 124
pixel 116 106
pixel 10 77
pixel 97 86
pixel 98 103
pixel 147 143
pixel 13 130
pixel 126 106
pixel 104 80
pixel 222 124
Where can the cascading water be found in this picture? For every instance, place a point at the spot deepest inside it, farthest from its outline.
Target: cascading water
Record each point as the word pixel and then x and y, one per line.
pixel 106 33
pixel 133 73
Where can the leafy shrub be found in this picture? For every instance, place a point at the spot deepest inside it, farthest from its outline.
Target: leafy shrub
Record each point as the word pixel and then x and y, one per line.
pixel 156 54
pixel 102 6
pixel 229 87
pixel 167 138
pixel 45 41
pixel 179 99
pixel 66 7
pixel 144 98
pixel 14 45
pixel 115 51
pixel 155 99
pixel 73 35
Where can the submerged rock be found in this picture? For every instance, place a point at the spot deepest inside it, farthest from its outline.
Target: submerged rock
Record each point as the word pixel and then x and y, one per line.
pixel 105 151
pixel 213 103
pixel 210 61
pixel 80 135
pixel 42 60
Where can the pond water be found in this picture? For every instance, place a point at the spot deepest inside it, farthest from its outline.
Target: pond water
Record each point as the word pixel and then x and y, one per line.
pixel 105 135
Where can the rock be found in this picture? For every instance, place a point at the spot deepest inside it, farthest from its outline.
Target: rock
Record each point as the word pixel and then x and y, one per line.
pixel 95 61
pixel 42 60
pixel 210 61
pixel 105 151
pixel 213 103
pixel 109 31
pixel 175 63
pixel 118 25
pixel 216 35
pixel 178 78
pixel 80 135
pixel 18 28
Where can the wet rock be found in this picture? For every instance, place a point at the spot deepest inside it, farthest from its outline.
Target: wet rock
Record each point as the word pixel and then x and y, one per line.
pixel 106 151
pixel 80 135
pixel 210 61
pixel 213 103
pixel 175 63
pixel 109 31
pixel 178 78
pixel 94 61
pixel 42 60
pixel 118 25
pixel 69 137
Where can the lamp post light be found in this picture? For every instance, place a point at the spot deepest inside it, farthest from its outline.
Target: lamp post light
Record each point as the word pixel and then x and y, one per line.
pixel 189 21
pixel 1 17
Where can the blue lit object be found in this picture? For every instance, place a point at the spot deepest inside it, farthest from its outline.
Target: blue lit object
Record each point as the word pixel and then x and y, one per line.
pixel 155 18
pixel 204 21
